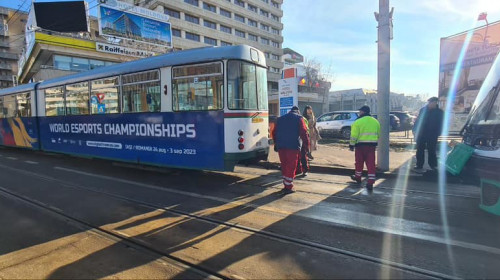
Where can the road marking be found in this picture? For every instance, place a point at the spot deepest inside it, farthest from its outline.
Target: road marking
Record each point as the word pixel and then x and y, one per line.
pixel 12 158
pixel 31 162
pixel 355 219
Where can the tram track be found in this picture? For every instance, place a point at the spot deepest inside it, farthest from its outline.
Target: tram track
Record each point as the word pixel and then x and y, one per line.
pixel 235 226
pixel 113 236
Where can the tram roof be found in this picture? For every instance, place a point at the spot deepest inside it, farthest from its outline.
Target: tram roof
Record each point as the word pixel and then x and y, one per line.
pixel 170 59
pixel 18 89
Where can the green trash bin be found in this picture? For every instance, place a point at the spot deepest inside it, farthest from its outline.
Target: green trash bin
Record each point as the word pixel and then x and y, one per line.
pixel 490 196
pixel 458 157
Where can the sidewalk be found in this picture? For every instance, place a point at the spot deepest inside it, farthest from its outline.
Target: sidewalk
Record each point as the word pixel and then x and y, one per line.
pixel 337 157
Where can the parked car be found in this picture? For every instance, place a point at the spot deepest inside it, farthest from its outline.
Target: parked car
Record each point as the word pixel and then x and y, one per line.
pixel 338 122
pixel 394 121
pixel 406 120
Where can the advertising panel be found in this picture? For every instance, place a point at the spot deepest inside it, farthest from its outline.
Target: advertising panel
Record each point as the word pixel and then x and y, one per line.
pixel 288 91
pixel 122 20
pixel 480 54
pixel 19 132
pixel 188 140
pixel 107 48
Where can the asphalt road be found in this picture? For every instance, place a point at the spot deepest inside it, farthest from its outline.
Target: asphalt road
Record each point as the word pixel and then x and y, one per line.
pixel 65 217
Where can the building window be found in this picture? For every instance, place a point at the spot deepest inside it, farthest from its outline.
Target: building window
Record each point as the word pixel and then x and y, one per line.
pixel 275 44
pixel 209 24
pixel 239 3
pixel 239 18
pixel 172 13
pixel 176 32
pixel 210 41
pixel 226 29
pixel 77 64
pixel 276 31
pixel 252 8
pixel 222 43
pixel 264 27
pixel 192 36
pixel 192 2
pixel 239 33
pixel 252 23
pixel 209 7
pixel 253 37
pixel 265 1
pixel 191 19
pixel 264 41
pixel 275 57
pixel 275 70
pixel 276 5
pixel 267 55
pixel 225 13
pixel 264 13
pixel 275 18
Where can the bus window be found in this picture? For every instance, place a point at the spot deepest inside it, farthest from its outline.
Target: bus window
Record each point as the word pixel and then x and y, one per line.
pixel 54 101
pixel 197 87
pixel 77 99
pixel 104 96
pixel 141 92
pixel 247 86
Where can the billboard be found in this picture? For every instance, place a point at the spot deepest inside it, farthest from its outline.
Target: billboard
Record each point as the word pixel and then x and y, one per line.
pixel 68 16
pixel 125 21
pixel 483 47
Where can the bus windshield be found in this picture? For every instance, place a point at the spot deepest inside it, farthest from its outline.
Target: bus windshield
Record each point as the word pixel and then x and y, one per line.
pixel 246 86
pixel 486 109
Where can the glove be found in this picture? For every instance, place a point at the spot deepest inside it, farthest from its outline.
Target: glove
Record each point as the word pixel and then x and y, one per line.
pixel 275 147
pixel 351 147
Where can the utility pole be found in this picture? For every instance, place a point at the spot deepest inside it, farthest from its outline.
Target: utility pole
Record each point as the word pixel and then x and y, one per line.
pixel 384 18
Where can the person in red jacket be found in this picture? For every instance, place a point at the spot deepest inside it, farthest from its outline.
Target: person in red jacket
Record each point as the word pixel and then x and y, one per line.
pixel 289 129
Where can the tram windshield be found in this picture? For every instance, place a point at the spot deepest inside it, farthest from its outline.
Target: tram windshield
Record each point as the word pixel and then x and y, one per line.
pixel 486 109
pixel 247 86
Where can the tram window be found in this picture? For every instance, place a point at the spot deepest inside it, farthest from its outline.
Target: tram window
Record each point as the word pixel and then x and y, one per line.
pixel 23 101
pixel 54 101
pixel 243 85
pixel 104 96
pixel 9 106
pixel 77 99
pixel 141 92
pixel 198 87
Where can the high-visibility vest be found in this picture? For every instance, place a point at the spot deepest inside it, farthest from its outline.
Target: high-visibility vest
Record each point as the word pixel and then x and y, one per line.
pixel 365 131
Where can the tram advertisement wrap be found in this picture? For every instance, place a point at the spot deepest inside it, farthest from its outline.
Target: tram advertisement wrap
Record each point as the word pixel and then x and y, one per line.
pixel 18 132
pixel 190 140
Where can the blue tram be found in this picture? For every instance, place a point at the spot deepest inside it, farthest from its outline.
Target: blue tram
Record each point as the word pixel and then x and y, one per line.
pixel 200 109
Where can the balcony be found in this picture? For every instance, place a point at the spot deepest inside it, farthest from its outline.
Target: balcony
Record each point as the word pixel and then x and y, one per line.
pixel 5 66
pixel 6 78
pixel 7 55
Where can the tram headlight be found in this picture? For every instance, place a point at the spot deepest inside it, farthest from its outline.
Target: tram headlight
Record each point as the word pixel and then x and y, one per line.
pixel 240 132
pixel 241 146
pixel 487 144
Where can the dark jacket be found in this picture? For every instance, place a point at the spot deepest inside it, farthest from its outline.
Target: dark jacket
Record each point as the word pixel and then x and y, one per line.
pixel 289 128
pixel 428 124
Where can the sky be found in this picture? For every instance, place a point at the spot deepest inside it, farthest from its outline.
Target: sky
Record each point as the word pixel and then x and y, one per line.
pixel 342 34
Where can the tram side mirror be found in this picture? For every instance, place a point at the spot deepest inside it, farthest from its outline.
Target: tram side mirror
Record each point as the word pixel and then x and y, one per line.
pixel 165 89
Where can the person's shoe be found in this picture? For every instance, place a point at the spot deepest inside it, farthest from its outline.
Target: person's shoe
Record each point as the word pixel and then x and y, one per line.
pixel 310 156
pixel 286 191
pixel 304 174
pixel 354 178
pixel 419 169
pixel 369 187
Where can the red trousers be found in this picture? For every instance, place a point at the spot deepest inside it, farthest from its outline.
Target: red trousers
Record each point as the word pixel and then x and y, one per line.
pixel 288 159
pixel 366 154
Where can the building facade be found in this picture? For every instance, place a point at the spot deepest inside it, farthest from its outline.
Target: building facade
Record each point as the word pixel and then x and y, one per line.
pixel 201 23
pixel 11 44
